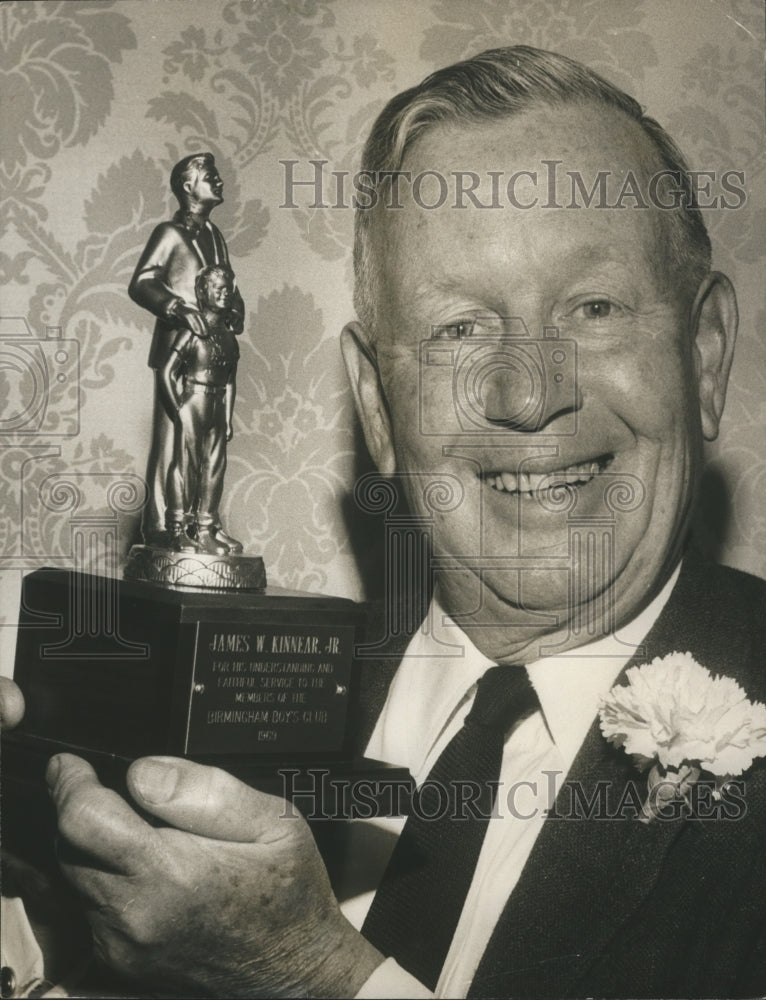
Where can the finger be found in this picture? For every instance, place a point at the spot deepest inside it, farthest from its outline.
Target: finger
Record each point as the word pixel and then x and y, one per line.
pixel 11 703
pixel 96 821
pixel 207 801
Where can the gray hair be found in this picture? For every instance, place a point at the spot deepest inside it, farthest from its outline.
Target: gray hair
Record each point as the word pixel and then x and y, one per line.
pixel 493 85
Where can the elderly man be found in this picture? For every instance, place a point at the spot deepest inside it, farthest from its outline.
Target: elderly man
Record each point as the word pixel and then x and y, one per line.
pixel 542 575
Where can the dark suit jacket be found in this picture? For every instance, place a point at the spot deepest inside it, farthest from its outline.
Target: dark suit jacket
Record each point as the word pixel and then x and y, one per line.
pixel 617 908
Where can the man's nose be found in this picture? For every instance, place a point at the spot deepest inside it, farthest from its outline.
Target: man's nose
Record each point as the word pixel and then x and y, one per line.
pixel 527 388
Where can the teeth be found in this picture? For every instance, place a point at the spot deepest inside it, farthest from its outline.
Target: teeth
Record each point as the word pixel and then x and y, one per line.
pixel 530 483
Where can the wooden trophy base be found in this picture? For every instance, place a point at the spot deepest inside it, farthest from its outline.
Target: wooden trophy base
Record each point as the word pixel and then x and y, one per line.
pixel 262 684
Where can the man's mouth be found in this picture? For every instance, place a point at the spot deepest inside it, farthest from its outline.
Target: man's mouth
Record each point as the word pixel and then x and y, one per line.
pixel 530 485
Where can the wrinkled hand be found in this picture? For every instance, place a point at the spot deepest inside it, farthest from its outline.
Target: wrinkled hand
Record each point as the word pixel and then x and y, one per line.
pixel 11 703
pixel 231 899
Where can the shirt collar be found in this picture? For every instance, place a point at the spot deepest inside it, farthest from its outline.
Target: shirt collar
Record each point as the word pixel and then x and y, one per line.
pixel 433 683
pixel 438 673
pixel 570 685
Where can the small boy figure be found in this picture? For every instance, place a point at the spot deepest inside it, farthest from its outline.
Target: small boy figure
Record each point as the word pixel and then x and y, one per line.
pixel 199 383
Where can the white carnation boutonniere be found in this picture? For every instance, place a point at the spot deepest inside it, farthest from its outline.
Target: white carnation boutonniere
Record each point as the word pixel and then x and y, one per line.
pixel 679 720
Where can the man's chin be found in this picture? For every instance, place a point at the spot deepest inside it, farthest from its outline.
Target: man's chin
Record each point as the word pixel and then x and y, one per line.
pixel 594 587
pixel 549 599
pixel 532 599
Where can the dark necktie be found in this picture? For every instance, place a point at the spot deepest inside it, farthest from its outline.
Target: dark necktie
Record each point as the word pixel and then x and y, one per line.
pixel 418 903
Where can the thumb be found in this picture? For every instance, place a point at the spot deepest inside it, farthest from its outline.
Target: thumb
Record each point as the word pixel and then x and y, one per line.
pixel 205 800
pixel 11 703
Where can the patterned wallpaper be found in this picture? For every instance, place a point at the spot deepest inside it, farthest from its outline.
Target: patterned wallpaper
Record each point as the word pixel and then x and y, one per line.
pixel 101 98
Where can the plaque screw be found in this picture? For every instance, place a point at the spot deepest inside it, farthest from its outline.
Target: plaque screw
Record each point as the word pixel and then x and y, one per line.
pixel 341 689
pixel 199 688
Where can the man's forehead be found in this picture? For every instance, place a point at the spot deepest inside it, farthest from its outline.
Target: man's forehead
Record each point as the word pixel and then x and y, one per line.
pixel 570 136
pixel 566 171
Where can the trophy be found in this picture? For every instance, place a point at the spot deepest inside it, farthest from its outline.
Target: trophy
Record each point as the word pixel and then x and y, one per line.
pixel 191 654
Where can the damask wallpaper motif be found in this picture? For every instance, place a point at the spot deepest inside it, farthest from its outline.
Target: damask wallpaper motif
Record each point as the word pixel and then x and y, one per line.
pixel 100 98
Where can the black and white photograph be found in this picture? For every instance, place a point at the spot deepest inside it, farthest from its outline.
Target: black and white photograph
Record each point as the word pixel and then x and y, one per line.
pixel 383 447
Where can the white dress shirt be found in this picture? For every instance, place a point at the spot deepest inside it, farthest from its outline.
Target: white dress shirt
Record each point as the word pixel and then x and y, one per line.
pixel 427 702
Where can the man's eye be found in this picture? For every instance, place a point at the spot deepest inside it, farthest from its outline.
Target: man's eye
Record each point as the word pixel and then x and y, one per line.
pixel 453 331
pixel 598 309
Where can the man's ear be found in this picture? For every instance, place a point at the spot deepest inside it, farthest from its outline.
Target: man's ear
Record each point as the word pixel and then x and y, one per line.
pixel 714 318
pixel 370 400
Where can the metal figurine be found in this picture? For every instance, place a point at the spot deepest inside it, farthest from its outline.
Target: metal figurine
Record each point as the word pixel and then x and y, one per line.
pixel 184 279
pixel 164 283
pixel 198 380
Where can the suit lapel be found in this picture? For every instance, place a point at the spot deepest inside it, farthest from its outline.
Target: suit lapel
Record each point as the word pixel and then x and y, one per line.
pixel 585 876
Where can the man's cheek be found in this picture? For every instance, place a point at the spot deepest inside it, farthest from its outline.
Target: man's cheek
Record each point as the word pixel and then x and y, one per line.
pixel 645 390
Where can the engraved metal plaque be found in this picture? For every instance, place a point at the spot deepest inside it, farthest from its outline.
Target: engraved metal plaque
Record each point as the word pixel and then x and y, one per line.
pixel 269 689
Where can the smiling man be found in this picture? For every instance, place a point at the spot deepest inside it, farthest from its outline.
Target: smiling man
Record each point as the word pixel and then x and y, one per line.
pixel 555 361
pixel 559 367
pixel 650 338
